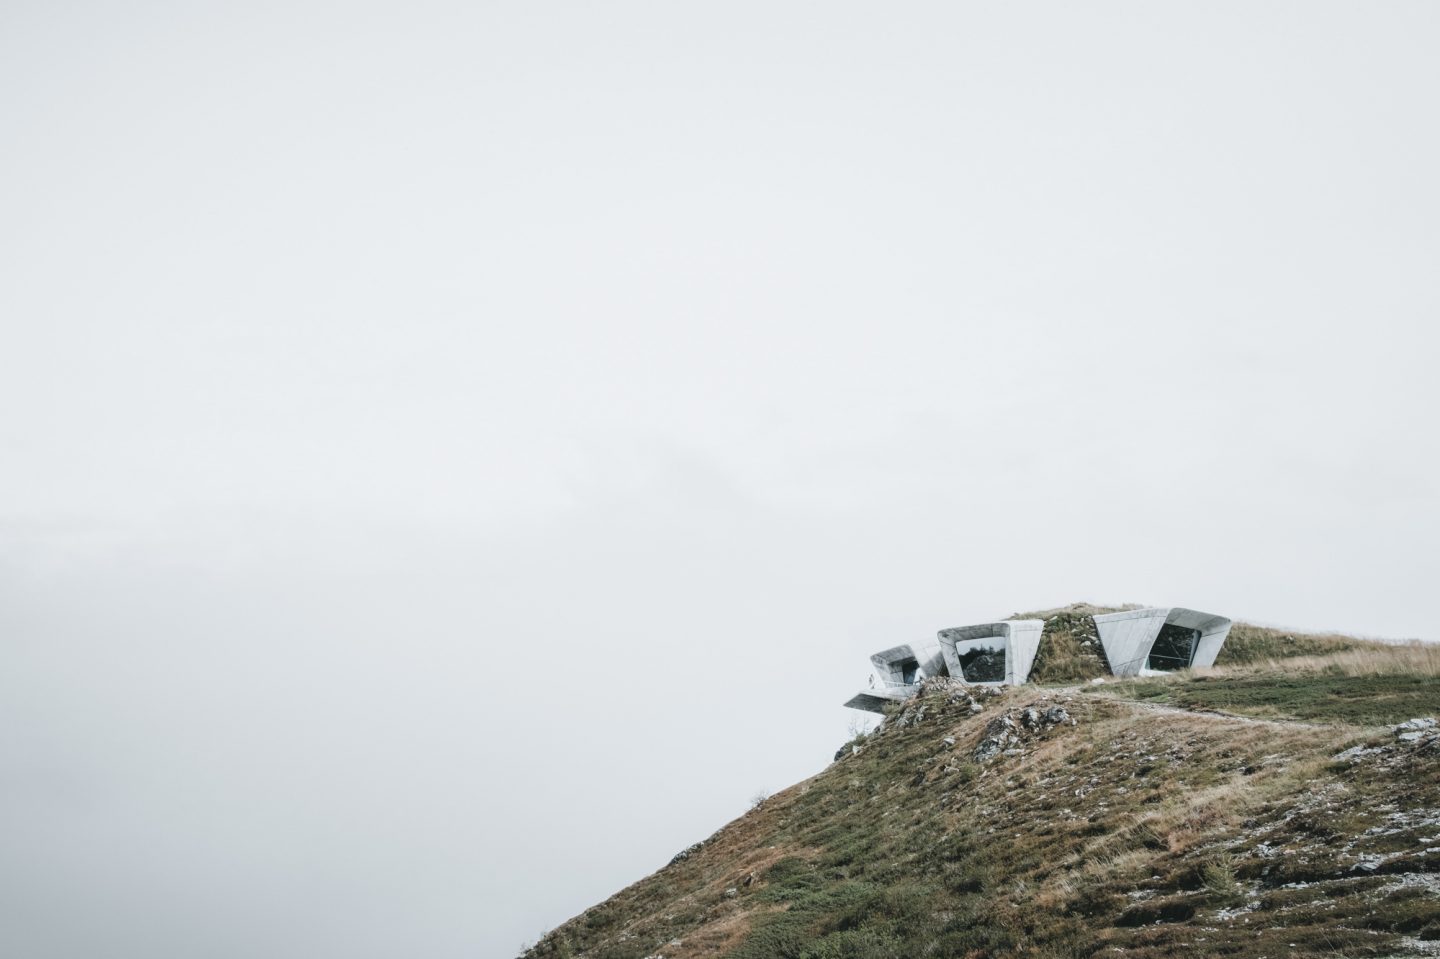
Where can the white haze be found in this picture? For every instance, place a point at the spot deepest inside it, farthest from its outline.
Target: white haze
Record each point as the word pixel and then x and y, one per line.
pixel 453 455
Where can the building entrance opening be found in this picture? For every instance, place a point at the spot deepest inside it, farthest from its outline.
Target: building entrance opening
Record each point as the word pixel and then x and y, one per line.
pixel 1174 648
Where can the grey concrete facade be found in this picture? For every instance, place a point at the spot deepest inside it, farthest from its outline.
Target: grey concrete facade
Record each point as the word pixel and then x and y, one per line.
pixel 898 672
pixel 992 653
pixel 1141 642
pixel 908 664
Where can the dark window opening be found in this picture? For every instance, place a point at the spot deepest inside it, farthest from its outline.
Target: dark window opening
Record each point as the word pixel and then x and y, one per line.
pixel 983 665
pixel 909 672
pixel 1174 648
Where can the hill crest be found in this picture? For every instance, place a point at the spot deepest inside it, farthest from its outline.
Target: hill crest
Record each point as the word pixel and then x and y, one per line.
pixel 1235 813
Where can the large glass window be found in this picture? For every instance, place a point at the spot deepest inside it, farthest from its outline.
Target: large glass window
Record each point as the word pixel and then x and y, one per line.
pixel 1174 648
pixel 984 664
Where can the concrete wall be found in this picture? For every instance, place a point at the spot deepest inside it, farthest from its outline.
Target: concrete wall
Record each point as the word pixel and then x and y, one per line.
pixel 1128 636
pixel 1021 639
pixel 890 685
pixel 888 663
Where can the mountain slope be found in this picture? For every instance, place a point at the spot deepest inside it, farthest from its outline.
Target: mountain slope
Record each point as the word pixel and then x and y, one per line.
pixel 1077 821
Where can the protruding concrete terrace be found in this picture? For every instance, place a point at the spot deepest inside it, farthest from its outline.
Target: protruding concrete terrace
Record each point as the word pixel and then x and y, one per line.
pixel 992 653
pixel 875 700
pixel 1141 642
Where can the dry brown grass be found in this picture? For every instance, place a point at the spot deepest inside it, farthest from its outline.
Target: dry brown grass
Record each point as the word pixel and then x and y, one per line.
pixel 1074 609
pixel 1371 659
pixel 714 938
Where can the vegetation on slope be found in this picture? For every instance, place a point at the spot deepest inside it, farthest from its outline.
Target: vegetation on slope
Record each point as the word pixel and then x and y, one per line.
pixel 1141 818
pixel 1248 643
pixel 1149 830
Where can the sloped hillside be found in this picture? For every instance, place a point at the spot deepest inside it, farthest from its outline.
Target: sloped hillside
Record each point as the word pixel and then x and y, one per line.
pixel 1121 819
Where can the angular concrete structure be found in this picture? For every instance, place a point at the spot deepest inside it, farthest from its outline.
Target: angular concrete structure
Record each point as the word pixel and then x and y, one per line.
pixel 899 671
pixel 1147 642
pixel 992 653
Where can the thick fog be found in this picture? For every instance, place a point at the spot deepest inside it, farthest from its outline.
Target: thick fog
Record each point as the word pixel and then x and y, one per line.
pixel 452 456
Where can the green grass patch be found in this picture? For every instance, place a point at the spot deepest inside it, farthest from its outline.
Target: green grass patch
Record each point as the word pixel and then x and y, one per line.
pixel 1358 700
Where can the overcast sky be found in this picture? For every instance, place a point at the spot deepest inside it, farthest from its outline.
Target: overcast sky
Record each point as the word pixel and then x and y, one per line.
pixel 453 455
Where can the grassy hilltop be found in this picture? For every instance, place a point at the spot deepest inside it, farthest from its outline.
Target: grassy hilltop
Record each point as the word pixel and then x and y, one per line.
pixel 1266 808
